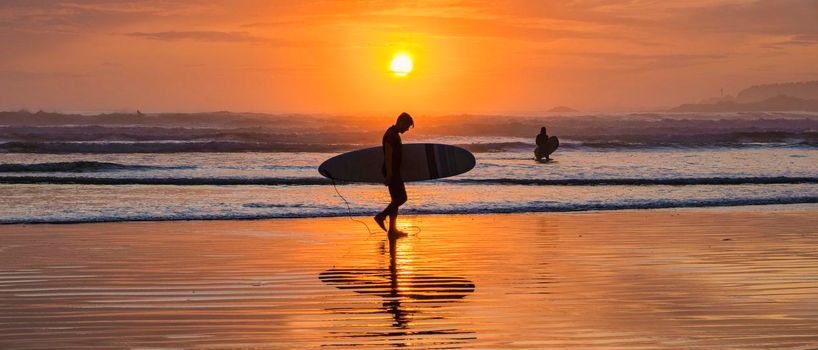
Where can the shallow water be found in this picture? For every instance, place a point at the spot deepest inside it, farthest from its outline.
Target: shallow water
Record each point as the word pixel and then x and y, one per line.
pixel 116 187
pixel 666 279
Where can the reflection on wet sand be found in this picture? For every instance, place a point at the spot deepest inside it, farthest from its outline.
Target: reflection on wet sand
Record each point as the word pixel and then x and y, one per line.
pixel 681 279
pixel 406 295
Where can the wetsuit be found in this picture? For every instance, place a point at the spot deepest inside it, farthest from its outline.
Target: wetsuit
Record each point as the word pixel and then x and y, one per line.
pixel 542 139
pixel 397 191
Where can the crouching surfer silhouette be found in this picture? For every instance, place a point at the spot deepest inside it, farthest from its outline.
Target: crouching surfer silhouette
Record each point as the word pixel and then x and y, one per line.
pixel 392 154
pixel 545 145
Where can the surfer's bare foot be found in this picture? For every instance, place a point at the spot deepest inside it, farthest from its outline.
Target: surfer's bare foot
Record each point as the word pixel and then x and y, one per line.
pixel 397 233
pixel 379 220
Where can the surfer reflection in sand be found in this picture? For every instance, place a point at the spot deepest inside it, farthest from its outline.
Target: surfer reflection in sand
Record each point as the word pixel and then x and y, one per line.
pixel 392 154
pixel 409 297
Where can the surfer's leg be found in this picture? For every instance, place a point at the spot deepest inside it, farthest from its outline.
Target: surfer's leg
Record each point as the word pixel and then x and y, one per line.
pixel 381 217
pixel 390 208
pixel 398 193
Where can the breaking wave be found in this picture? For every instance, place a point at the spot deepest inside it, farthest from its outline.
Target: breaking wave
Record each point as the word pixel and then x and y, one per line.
pixel 77 167
pixel 166 147
pixel 311 181
pixel 530 207
pixel 715 140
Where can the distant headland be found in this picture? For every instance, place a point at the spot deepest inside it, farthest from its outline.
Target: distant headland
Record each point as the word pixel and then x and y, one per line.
pixel 797 96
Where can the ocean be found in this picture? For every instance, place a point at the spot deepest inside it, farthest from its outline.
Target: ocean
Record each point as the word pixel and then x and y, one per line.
pixel 155 169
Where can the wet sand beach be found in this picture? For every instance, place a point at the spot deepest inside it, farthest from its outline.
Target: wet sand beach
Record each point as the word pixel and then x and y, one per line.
pixel 736 278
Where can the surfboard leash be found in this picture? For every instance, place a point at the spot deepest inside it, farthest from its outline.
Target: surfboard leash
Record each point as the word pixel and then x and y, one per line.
pixel 349 209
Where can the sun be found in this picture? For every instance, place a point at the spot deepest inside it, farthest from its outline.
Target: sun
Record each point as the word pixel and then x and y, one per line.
pixel 401 65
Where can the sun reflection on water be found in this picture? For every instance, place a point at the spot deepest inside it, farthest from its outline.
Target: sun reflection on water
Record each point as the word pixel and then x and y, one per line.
pixel 407 295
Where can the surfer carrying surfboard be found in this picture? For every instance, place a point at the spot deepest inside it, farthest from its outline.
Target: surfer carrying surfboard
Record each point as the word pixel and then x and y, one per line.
pixel 392 154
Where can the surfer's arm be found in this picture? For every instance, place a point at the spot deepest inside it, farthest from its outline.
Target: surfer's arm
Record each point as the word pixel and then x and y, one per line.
pixel 387 161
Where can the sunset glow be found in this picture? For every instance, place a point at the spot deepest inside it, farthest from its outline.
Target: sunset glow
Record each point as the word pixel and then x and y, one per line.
pixel 311 56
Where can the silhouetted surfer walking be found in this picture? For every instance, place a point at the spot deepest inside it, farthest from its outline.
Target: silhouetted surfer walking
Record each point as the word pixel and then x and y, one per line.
pixel 392 154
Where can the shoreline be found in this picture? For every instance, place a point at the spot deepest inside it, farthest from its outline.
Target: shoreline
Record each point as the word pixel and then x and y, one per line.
pixel 739 207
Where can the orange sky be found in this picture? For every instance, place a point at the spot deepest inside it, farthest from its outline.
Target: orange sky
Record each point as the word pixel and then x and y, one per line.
pixel 333 56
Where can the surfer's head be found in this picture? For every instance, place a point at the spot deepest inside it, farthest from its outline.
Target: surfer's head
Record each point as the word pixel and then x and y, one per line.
pixel 542 130
pixel 404 122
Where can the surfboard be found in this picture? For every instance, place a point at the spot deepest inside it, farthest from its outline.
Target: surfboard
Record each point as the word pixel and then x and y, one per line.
pixel 550 146
pixel 421 161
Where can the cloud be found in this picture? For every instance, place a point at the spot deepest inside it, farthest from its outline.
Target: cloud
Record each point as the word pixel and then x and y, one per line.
pixel 643 62
pixel 269 24
pixel 154 7
pixel 51 16
pixel 274 69
pixel 647 22
pixel 779 17
pixel 796 40
pixel 29 76
pixel 206 36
